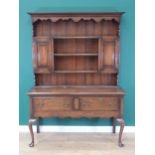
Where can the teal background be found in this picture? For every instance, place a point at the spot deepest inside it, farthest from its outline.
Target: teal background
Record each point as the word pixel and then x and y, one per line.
pixel 127 60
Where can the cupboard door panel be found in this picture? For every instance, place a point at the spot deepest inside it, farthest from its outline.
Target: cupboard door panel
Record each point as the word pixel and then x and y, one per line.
pixel 46 104
pixel 99 103
pixel 42 55
pixel 108 55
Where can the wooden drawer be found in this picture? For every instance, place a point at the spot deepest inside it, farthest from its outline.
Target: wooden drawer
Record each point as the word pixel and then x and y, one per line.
pixel 52 103
pixel 99 103
pixel 64 106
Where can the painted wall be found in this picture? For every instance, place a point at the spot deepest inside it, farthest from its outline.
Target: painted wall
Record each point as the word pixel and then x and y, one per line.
pixel 126 75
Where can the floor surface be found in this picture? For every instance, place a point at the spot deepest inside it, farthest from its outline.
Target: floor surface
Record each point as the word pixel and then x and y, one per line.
pixel 76 144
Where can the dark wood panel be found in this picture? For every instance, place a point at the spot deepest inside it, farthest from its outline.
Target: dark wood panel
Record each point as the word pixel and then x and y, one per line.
pixel 109 53
pixel 52 103
pixel 76 90
pixel 74 63
pixel 42 28
pixel 76 79
pixel 70 28
pixel 42 55
pixel 73 45
pixel 99 103
pixel 77 114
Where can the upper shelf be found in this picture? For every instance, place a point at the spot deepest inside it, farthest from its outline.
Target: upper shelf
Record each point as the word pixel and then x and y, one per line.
pixel 96 16
pixel 76 37
pixel 111 37
pixel 76 54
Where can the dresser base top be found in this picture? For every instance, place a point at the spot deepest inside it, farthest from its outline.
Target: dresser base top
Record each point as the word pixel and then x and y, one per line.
pixel 74 90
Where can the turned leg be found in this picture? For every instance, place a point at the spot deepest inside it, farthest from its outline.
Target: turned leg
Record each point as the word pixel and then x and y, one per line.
pixel 31 121
pixel 38 128
pixel 114 125
pixel 122 123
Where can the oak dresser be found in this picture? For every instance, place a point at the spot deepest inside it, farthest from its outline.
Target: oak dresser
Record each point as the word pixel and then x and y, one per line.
pixel 76 66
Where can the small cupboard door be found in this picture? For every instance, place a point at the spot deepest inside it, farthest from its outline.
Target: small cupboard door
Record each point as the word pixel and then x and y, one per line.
pixel 108 54
pixel 43 55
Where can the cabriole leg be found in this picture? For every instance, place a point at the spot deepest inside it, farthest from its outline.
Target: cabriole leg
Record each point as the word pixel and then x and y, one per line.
pixel 31 121
pixel 114 125
pixel 38 128
pixel 122 124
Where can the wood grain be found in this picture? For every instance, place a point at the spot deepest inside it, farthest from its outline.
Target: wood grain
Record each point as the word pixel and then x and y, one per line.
pixel 76 66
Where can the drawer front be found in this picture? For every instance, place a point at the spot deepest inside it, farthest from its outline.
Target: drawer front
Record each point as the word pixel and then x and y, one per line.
pixel 76 107
pixel 99 103
pixel 52 103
